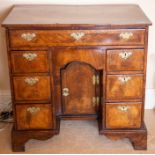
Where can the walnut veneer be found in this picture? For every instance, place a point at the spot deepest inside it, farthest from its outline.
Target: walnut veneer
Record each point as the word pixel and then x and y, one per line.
pixel 77 62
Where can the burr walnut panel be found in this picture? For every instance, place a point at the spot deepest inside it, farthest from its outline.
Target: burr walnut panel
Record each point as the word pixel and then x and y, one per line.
pixel 40 38
pixel 29 61
pixel 94 56
pixel 77 79
pixel 123 115
pixel 34 116
pixel 63 56
pixel 124 87
pixel 125 60
pixel 31 88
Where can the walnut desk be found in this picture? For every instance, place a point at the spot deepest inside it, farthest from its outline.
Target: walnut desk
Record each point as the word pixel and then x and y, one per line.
pixel 77 62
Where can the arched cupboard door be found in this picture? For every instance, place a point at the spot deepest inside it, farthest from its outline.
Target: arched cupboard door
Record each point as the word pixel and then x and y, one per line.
pixel 79 89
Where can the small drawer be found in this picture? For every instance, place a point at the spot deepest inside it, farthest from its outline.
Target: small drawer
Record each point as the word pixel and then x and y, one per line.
pixel 34 116
pixel 29 61
pixel 124 87
pixel 123 115
pixel 30 88
pixel 125 60
pixel 43 38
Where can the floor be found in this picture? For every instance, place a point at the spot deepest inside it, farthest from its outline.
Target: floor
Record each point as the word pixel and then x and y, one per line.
pixel 81 137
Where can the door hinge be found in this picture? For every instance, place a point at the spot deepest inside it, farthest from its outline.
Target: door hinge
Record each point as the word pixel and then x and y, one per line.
pixel 95 101
pixel 96 80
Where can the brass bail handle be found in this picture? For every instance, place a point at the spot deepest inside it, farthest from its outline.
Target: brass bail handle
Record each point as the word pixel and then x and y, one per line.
pixel 77 35
pixel 28 36
pixel 126 35
pixel 30 56
pixel 33 110
pixel 31 81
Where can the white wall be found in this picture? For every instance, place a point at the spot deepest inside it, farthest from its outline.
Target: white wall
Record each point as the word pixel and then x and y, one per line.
pixel 147 5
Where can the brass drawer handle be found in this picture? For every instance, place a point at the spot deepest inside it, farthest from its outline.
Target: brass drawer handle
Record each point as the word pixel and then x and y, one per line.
pixel 77 35
pixel 33 110
pixel 124 79
pixel 65 92
pixel 31 81
pixel 30 56
pixel 28 36
pixel 125 55
pixel 123 108
pixel 126 35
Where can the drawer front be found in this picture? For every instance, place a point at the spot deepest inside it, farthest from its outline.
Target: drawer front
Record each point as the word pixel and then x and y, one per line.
pixel 123 115
pixel 40 38
pixel 28 62
pixel 124 87
pixel 31 88
pixel 34 116
pixel 125 60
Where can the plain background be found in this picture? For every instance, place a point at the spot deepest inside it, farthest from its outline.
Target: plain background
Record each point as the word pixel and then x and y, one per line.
pixel 148 7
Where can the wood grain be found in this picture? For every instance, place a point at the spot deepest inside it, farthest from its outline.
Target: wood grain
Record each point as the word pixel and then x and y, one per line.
pixel 25 92
pixel 75 15
pixel 117 118
pixel 64 61
pixel 41 119
pixel 135 62
pixel 21 65
pixel 20 137
pixel 61 56
pixel 64 38
pixel 78 78
pixel 138 137
pixel 118 90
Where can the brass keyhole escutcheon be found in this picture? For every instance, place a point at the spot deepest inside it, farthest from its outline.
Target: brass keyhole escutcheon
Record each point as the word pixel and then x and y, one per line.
pixel 123 108
pixel 65 91
pixel 124 79
pixel 125 55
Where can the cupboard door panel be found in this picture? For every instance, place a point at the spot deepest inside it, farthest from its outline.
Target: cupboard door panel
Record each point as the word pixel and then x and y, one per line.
pixel 78 89
pixel 123 115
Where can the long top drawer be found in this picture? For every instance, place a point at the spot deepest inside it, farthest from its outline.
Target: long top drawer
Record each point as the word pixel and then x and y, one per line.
pixel 42 38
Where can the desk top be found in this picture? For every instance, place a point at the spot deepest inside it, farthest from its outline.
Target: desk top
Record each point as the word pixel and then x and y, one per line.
pixel 71 15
